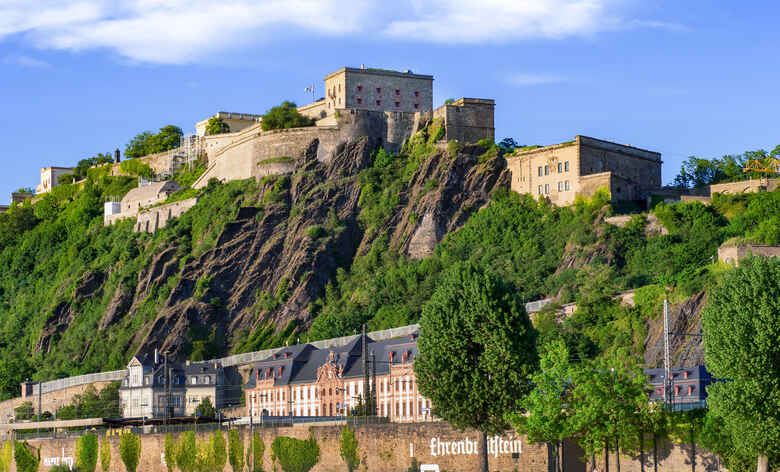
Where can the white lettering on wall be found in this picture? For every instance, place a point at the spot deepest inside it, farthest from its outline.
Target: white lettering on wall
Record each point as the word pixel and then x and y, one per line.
pixel 496 446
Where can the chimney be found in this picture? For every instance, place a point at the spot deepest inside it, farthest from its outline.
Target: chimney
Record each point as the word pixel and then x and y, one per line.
pixel 116 156
pixel 362 66
pixel 156 357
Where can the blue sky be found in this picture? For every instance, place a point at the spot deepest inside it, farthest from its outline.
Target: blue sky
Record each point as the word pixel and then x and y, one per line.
pixel 682 78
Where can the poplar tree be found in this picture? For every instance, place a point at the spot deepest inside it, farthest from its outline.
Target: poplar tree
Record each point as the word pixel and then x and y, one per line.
pixel 477 352
pixel 741 327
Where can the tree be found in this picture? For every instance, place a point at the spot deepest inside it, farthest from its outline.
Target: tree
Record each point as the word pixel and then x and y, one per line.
pixel 285 115
pixel 170 452
pixel 235 451
pixel 477 351
pixel 130 450
pixel 217 125
pixel 549 413
pixel 136 167
pixel 186 452
pixel 105 455
pixel 205 409
pixel 742 344
pixel 508 145
pixel 146 143
pixel 26 457
pixel 87 453
pixel 348 448
pixel 220 452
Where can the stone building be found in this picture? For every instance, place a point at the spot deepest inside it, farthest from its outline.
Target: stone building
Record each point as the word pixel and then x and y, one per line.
pixel 235 121
pixel 307 381
pixel 468 120
pixel 4 208
pixel 373 89
pixel 143 391
pixel 140 197
pixel 50 178
pixel 580 167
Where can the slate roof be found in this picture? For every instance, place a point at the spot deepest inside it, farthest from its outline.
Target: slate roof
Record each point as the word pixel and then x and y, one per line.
pixel 300 362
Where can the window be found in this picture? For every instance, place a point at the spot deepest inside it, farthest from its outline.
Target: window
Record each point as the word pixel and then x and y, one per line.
pixel 540 171
pixel 416 93
pixel 540 190
pixel 397 104
pixel 206 379
pixel 546 189
pixel 560 186
pixel 359 101
pixel 566 166
pixel 546 170
pixel 379 103
pixel 379 90
pixel 194 380
pixel 397 92
pixel 560 167
pixel 416 106
pixel 566 185
pixel 359 88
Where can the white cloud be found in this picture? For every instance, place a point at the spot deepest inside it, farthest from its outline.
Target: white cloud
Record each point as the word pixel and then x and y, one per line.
pixel 181 31
pixel 524 80
pixel 25 61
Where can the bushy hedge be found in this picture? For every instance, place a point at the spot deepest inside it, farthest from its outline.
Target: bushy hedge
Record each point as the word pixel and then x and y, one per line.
pixel 130 450
pixel 235 451
pixel 87 453
pixel 26 457
pixel 295 455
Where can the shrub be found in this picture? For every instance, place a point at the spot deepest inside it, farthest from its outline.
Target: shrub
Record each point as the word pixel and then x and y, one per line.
pixel 186 452
pixel 130 450
pixel 105 455
pixel 216 125
pixel 258 451
pixel 235 451
pixel 220 452
pixel 169 451
pixel 26 457
pixel 349 448
pixel 295 455
pixel 87 453
pixel 285 115
pixel 316 232
pixel 6 456
pixel 136 168
pixel 204 457
pixel 25 411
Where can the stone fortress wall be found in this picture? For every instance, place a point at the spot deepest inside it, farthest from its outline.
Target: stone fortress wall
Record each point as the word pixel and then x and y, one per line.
pixel 152 219
pixel 395 447
pixel 468 120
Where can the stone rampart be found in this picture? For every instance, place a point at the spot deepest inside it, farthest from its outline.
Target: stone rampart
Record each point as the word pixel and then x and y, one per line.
pixel 746 186
pixel 733 254
pixel 468 120
pixel 152 219
pixel 55 396
pixel 381 447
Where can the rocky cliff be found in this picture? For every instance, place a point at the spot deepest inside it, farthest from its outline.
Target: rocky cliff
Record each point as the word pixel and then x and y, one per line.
pixel 285 244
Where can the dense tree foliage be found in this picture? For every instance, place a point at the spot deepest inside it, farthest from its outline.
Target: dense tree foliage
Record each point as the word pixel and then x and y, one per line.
pixel 295 455
pixel 235 451
pixel 206 409
pixel 130 450
pixel 169 137
pixel 477 351
pixel 92 404
pixel 105 455
pixel 216 125
pixel 87 452
pixel 283 116
pixel 27 458
pixel 742 345
pixel 698 172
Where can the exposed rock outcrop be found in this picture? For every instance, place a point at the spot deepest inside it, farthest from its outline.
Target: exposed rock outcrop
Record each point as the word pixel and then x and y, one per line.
pixel 684 318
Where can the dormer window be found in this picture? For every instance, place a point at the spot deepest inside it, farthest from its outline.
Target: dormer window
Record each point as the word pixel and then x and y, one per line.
pixel 194 380
pixel 359 88
pixel 685 374
pixel 398 92
pixel 206 380
pixel 416 93
pixel 279 371
pixel 379 90
pixel 379 103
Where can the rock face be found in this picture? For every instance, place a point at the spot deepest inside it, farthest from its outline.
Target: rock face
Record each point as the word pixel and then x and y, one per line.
pixel 277 256
pixel 685 350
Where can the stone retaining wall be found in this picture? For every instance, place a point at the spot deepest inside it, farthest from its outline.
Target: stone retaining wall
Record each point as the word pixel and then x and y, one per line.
pixel 152 219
